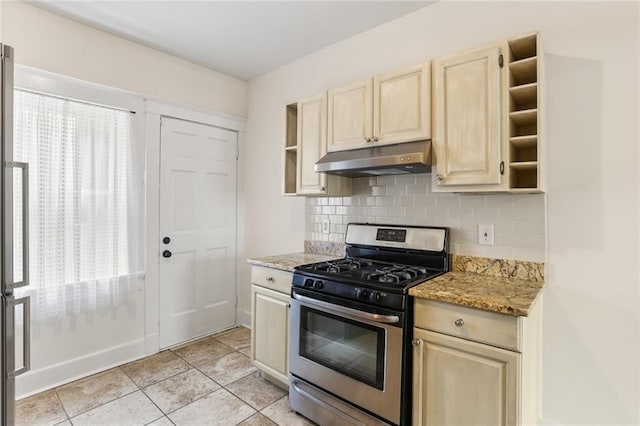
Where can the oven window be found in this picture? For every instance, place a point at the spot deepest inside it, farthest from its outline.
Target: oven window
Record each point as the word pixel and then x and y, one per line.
pixel 343 345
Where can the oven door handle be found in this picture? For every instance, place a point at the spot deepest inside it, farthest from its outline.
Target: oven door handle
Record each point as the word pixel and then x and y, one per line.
pixel 386 319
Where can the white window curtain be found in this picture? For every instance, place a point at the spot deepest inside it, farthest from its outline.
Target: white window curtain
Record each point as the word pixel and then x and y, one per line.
pixel 85 205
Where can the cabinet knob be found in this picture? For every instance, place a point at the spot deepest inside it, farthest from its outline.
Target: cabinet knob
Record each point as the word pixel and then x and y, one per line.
pixel 367 139
pixel 416 342
pixel 269 278
pixel 459 322
pixel 322 189
pixel 439 177
pixel 375 139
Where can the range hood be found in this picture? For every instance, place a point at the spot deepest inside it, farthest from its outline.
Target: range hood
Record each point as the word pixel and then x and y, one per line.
pixel 403 158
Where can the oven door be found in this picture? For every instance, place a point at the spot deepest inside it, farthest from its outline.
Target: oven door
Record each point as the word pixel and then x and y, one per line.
pixel 353 354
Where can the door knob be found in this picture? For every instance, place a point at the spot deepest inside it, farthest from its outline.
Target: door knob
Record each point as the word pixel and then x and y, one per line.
pixel 166 253
pixel 166 240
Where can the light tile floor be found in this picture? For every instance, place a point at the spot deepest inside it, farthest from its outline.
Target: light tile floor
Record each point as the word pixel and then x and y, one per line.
pixel 206 382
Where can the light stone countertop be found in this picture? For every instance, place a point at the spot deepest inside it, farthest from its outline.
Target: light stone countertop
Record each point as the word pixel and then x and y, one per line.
pixel 509 296
pixel 286 262
pixel 496 294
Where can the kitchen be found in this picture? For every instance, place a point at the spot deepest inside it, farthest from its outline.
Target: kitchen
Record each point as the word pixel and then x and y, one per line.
pixel 590 216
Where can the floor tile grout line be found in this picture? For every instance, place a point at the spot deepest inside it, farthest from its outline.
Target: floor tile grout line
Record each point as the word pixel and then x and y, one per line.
pixel 55 390
pixel 69 417
pixel 154 403
pixel 189 367
pixel 235 349
pixel 193 365
pixel 190 402
pixel 105 403
pixel 221 385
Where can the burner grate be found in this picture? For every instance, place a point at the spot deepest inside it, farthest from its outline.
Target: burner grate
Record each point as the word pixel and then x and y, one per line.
pixel 343 265
pixel 395 274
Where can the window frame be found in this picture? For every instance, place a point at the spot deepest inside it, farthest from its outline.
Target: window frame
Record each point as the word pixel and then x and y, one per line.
pixel 35 80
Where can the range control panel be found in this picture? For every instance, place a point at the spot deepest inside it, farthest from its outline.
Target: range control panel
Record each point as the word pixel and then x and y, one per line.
pixel 348 291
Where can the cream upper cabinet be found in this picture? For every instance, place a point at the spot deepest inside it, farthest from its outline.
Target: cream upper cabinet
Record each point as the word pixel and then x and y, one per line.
pixel 458 382
pixel 389 108
pixel 467 90
pixel 487 127
pixel 350 116
pixel 305 144
pixel 312 144
pixel 401 105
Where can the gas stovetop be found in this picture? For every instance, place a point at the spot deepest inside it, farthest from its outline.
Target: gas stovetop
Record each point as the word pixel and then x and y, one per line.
pixel 382 262
pixel 365 271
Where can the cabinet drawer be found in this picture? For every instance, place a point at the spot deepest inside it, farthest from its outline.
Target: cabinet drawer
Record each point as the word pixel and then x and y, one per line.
pixel 274 279
pixel 480 326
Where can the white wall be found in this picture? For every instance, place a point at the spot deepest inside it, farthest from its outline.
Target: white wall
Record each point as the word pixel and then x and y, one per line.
pixel 591 329
pixel 52 43
pixel 77 345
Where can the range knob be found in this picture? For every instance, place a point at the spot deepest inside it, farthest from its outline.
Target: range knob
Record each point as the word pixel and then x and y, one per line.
pixel 375 296
pixel 361 293
pixel 318 284
pixel 308 282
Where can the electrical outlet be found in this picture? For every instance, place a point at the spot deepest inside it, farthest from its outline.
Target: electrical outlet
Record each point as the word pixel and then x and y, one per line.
pixel 325 226
pixel 485 235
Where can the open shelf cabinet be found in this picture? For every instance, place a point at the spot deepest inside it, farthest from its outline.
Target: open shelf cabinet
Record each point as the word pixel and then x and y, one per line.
pixel 524 76
pixel 290 149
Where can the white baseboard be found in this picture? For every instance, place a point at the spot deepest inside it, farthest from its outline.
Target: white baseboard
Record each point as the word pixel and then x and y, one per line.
pixel 153 343
pixel 243 318
pixel 547 422
pixel 36 381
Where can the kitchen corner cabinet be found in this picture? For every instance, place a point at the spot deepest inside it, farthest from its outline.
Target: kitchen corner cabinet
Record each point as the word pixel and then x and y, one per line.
pixel 306 143
pixel 486 118
pixel 474 367
pixel 386 109
pixel 270 304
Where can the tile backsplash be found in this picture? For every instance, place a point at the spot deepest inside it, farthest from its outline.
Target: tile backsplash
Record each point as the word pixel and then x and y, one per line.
pixel 519 220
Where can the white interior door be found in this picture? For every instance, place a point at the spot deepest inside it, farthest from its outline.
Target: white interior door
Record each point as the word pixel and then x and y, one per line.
pixel 197 230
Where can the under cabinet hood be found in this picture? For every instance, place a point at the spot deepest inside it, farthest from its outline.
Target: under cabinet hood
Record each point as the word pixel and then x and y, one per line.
pixel 402 158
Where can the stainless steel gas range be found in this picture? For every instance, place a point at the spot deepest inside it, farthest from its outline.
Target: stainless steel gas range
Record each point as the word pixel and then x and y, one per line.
pixel 351 325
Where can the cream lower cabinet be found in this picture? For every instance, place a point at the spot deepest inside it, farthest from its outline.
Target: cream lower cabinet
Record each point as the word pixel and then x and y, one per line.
pixel 270 323
pixel 458 382
pixel 473 367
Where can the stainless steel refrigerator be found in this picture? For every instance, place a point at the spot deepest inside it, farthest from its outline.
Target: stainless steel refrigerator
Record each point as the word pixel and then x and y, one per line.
pixel 10 305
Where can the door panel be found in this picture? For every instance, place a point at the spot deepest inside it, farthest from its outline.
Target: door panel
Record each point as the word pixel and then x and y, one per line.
pixel 467 122
pixel 312 144
pixel 459 382
pixel 350 116
pixel 198 212
pixel 401 105
pixel 270 332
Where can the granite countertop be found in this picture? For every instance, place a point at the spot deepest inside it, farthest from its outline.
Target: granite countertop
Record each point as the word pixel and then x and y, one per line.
pixel 497 294
pixel 286 262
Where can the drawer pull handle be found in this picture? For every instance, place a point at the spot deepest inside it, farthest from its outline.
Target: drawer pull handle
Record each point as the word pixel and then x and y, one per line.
pixel 459 322
pixel 269 278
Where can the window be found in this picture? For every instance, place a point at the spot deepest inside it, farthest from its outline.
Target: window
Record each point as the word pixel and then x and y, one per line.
pixel 85 203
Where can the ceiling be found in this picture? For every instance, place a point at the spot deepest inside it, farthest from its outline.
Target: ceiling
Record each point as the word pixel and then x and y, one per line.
pixel 241 38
